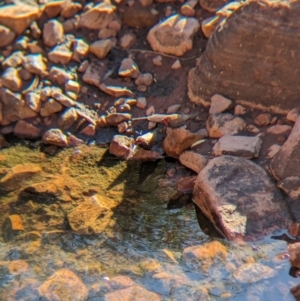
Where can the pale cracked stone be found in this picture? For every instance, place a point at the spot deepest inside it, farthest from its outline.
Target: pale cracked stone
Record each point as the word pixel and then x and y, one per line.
pixel 178 140
pixel 132 293
pixel 67 118
pixel 63 285
pixel 192 160
pixel 53 33
pixel 35 64
pixel 129 68
pixel 121 146
pixel 240 146
pixel 6 36
pixel 80 50
pixel 90 217
pixel 219 104
pixel 25 129
pixel 18 16
pixel 286 162
pixel 174 35
pixel 55 137
pixel 11 79
pixel 240 199
pixel 59 75
pixel 101 48
pixel 98 17
pixel 221 124
pixel 61 54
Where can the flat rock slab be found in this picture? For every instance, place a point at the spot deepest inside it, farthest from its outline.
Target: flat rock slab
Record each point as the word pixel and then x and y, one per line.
pixel 239 199
pixel 286 162
pixel 240 146
pixel 236 64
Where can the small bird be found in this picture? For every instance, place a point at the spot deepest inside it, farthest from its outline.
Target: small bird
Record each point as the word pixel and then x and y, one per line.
pixel 172 120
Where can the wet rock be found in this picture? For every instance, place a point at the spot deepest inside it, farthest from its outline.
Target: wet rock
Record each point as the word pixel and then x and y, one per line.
pixel 18 16
pixel 6 36
pixel 286 161
pixel 253 272
pixel 219 104
pixel 67 118
pixel 116 91
pixel 89 217
pixel 60 55
pixel 137 17
pixel 98 17
pixel 63 285
pixel 127 40
pixel 25 129
pixel 63 99
pixel 49 107
pixel 192 160
pixel 16 175
pixel 291 186
pixel 272 151
pixel 239 199
pixel 121 146
pixel 80 50
pixel 11 79
pixel 240 146
pixel 133 293
pixel 174 35
pixel 292 115
pixel 101 48
pixel 14 60
pixel 219 70
pixel 34 64
pixel 53 33
pixel 210 250
pixel 177 140
pixel 279 129
pixel 59 75
pixel 70 9
pixel 144 79
pixel 94 73
pixel 219 125
pixel 141 155
pixel 55 137
pixel 129 68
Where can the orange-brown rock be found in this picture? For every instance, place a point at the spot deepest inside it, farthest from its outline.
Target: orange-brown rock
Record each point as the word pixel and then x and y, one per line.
pixel 212 5
pixel 121 146
pixel 18 16
pixel 63 285
pixel 236 64
pixel 138 17
pixel 6 36
pixel 55 137
pixel 142 155
pixel 54 7
pixel 192 160
pixel 16 175
pixel 25 129
pixel 53 33
pixel 240 199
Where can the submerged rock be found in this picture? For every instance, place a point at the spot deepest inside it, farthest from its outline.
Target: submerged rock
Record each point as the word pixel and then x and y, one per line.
pixel 239 199
pixel 236 64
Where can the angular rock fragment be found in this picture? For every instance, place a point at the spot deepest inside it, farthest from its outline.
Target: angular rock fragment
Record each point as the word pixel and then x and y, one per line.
pixel 236 65
pixel 67 118
pixel 64 285
pixel 219 125
pixel 273 149
pixel 25 129
pixel 127 40
pixel 55 137
pixel 129 68
pixel 49 107
pixel 11 79
pixel 240 146
pixel 192 160
pixel 54 7
pixel 219 104
pixel 98 17
pixel 53 33
pixel 6 36
pixel 63 99
pixel 212 5
pixel 14 60
pixel 294 250
pixel 239 199
pixel 89 217
pixel 34 64
pixel 70 9
pixel 141 155
pixel 174 35
pixel 279 129
pixel 292 115
pixel 101 48
pixel 286 162
pixel 121 146
pixel 116 91
pixel 263 119
pixel 116 118
pixel 80 50
pixel 178 140
pixel 94 73
pixel 60 55
pixel 12 226
pixel 291 186
pixel 59 75
pixel 33 101
pixel 18 16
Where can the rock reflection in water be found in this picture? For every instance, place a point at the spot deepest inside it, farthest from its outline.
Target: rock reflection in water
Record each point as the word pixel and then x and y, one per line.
pixel 141 252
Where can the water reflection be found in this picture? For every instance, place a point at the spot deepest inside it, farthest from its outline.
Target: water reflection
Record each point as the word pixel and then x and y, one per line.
pixel 146 250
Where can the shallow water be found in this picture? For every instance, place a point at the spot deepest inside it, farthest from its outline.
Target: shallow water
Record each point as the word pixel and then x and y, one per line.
pixel 142 240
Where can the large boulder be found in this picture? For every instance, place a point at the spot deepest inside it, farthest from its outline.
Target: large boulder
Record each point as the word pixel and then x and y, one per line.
pixel 253 57
pixel 239 199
